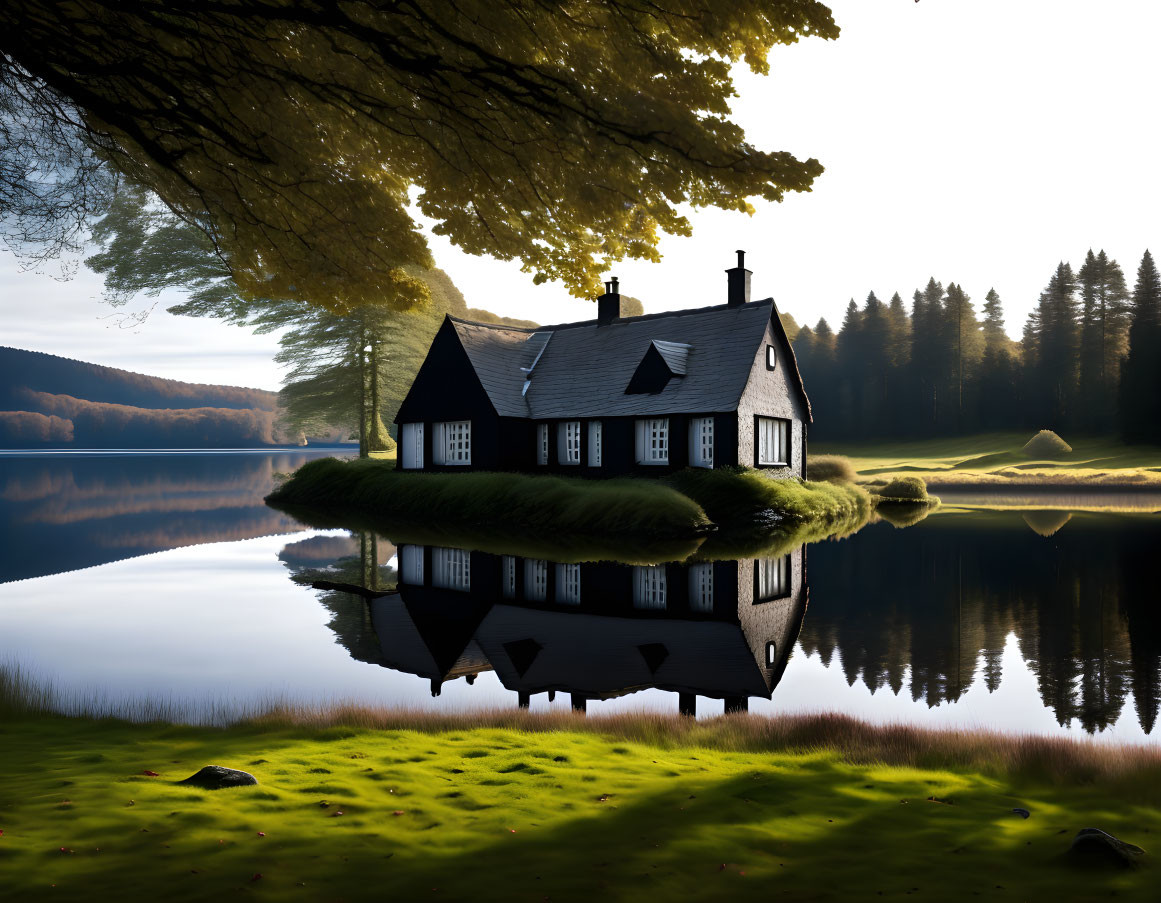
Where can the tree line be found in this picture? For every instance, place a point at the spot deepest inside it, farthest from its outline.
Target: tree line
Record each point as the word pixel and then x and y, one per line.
pixel 1089 360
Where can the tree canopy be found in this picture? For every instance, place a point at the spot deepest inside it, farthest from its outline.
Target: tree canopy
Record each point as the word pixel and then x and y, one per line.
pixel 303 137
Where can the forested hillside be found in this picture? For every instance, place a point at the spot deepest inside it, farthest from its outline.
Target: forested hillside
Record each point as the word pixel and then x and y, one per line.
pixel 1088 361
pixel 50 401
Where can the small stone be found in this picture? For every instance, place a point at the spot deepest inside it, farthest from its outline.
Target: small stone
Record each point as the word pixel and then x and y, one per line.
pixel 1094 847
pixel 1023 813
pixel 215 777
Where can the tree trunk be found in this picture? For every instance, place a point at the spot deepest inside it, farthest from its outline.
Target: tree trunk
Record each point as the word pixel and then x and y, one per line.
pixel 364 450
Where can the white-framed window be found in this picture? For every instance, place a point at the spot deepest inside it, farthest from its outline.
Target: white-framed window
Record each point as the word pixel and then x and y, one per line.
pixel 542 444
pixel 535 580
pixel 701 442
pixel 595 443
pixel 451 569
pixel 508 576
pixel 653 441
pixel 411 446
pixel 568 584
pixel 771 357
pixel 411 565
pixel 452 442
pixel 771 654
pixel 701 587
pixel 773 440
pixel 649 586
pixel 568 439
pixel 773 578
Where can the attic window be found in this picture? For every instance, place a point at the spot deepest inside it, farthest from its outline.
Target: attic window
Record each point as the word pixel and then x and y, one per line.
pixel 771 357
pixel 662 362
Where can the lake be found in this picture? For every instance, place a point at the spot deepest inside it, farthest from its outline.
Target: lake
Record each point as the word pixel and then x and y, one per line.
pixel 161 579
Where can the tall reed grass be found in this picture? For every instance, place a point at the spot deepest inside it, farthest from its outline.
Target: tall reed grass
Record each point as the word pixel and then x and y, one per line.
pixel 1031 757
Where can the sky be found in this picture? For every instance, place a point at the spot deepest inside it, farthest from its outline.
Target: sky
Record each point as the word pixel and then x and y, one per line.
pixel 977 141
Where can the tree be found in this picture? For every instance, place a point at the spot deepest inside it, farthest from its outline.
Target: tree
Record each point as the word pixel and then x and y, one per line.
pixel 998 384
pixel 1103 335
pixel 1141 373
pixel 965 343
pixel 349 371
pixel 1055 333
pixel 298 136
pixel 927 351
pixel 51 180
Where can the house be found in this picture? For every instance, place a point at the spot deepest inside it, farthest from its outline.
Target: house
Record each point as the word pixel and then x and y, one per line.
pixel 709 387
pixel 594 630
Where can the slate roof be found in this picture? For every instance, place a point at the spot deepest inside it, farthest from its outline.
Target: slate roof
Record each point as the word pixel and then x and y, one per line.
pixel 582 369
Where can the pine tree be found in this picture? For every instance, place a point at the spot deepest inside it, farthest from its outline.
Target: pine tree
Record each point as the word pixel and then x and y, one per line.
pixel 1054 378
pixel 1103 329
pixel 926 352
pixel 1141 372
pixel 998 386
pixel 964 342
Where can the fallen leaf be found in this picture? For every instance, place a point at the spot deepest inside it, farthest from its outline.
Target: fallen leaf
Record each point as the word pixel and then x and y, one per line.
pixel 398 812
pixel 151 774
pixel 261 833
pixel 257 875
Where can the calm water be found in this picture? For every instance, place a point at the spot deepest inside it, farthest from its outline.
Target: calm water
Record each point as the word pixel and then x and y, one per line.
pixel 129 577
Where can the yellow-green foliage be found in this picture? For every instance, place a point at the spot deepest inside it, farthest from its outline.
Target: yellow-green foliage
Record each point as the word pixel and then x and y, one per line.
pixel 831 468
pixel 997 460
pixel 526 503
pixel 733 495
pixel 567 810
pixel 905 489
pixel 1046 444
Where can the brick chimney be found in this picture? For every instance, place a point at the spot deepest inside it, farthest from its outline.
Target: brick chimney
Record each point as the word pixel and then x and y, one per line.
pixel 738 292
pixel 609 304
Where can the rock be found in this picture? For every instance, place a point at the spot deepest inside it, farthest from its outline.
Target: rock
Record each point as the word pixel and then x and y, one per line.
pixel 1095 847
pixel 1023 813
pixel 215 777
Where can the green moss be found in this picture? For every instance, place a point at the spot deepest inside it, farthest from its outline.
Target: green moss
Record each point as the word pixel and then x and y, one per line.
pixel 691 819
pixel 734 496
pixel 905 489
pixel 562 518
pixel 526 504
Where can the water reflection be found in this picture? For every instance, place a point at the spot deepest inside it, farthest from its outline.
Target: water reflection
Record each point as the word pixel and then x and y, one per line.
pixel 926 614
pixel 66 511
pixel 928 611
pixel 718 629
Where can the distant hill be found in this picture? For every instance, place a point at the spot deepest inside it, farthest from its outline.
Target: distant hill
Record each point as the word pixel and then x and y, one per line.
pixel 48 401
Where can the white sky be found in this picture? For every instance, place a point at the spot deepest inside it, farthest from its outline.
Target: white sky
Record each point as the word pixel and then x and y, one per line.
pixel 979 141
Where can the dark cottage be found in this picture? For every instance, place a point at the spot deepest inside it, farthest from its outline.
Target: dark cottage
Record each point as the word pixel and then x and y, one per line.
pixel 710 387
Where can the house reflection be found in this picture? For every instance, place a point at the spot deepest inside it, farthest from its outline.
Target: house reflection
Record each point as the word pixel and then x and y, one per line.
pixel 721 629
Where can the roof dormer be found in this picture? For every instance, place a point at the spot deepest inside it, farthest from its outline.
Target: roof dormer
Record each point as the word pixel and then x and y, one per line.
pixel 662 362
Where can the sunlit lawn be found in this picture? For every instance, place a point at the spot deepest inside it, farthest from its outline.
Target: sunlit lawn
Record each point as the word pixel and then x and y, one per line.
pixel 996 459
pixel 502 814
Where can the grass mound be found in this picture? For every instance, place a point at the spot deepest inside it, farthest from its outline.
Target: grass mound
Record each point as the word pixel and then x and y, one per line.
pixel 528 503
pixel 734 496
pixel 902 514
pixel 1047 523
pixel 1046 444
pixel 905 489
pixel 830 469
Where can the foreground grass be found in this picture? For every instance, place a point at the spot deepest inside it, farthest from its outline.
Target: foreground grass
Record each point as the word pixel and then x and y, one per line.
pixel 510 806
pixel 996 460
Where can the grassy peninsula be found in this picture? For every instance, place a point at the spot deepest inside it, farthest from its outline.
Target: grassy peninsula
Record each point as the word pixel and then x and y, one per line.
pixel 512 806
pixel 687 504
pixel 999 461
